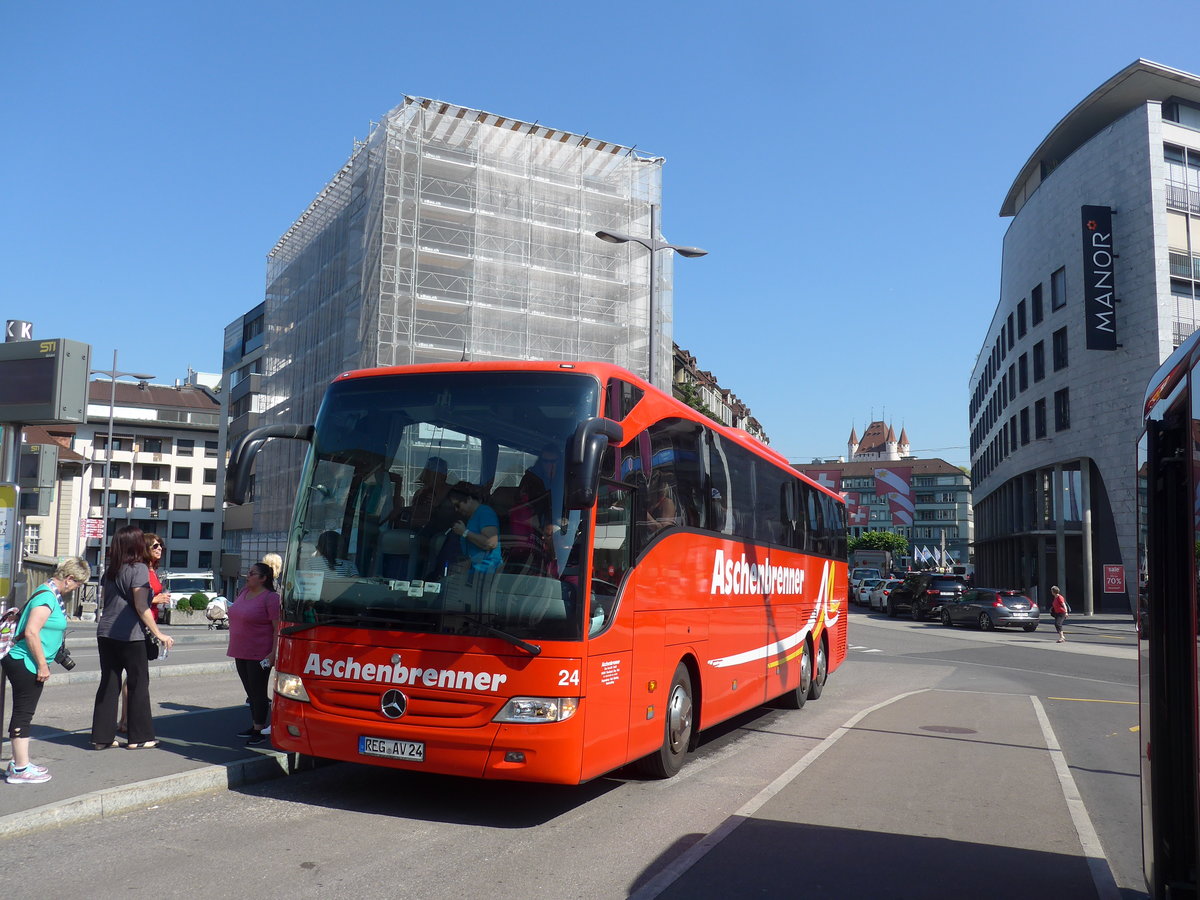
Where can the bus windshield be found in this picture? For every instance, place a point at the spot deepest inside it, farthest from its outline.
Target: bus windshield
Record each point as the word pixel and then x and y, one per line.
pixel 434 503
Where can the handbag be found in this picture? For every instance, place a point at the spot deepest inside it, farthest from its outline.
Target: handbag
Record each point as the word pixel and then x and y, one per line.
pixel 152 647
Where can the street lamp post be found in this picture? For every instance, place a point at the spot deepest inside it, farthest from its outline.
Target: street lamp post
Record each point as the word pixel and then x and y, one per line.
pixel 113 374
pixel 653 245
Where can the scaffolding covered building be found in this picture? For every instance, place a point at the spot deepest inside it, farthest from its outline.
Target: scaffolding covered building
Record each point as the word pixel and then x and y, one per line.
pixel 451 234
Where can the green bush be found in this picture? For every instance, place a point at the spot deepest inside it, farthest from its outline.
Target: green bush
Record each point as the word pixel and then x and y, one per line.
pixel 183 604
pixel 198 601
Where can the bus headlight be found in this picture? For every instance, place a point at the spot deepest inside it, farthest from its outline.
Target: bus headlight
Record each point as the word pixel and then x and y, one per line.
pixel 290 686
pixel 521 710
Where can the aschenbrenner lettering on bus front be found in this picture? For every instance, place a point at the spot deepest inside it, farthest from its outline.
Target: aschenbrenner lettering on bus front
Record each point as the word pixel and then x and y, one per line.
pixel 398 673
pixel 736 576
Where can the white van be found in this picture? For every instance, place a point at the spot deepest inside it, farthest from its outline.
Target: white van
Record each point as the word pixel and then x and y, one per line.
pixel 184 584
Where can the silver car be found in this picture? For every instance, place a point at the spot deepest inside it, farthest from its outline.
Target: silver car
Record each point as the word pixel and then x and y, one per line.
pixel 990 608
pixel 863 592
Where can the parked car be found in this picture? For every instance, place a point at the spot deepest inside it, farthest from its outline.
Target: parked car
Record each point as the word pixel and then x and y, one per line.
pixel 878 598
pixel 862 595
pixel 990 608
pixel 931 590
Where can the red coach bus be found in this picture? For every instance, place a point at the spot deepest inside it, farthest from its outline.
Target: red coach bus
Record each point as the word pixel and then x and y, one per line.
pixel 1168 482
pixel 541 572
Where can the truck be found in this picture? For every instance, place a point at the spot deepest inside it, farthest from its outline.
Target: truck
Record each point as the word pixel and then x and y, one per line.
pixel 181 585
pixel 875 559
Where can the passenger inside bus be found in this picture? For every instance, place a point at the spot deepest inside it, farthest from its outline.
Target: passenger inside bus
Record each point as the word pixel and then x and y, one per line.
pixel 327 557
pixel 531 520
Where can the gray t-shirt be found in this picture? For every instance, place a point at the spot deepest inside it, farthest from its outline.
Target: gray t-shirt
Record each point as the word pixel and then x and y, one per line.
pixel 119 620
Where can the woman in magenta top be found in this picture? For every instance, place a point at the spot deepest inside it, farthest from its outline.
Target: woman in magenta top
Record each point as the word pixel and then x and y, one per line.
pixel 253 630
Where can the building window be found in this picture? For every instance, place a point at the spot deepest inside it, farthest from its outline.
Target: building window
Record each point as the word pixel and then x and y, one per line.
pixel 1039 418
pixel 1011 336
pixel 1022 324
pixel 1058 289
pixel 1012 382
pixel 183 501
pixel 33 539
pixel 1023 371
pixel 1039 361
pixel 1035 305
pixel 1062 409
pixel 210 449
pixel 210 476
pixel 205 559
pixel 179 559
pixel 185 446
pixel 1025 425
pixel 152 445
pixel 208 504
pixel 1059 349
pixel 181 531
pixel 183 474
pixel 206 531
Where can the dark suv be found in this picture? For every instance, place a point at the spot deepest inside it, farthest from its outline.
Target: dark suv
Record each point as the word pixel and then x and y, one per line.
pixel 931 590
pixel 900 599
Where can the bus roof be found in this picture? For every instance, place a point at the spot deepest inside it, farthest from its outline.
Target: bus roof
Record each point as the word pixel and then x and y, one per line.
pixel 1171 372
pixel 662 405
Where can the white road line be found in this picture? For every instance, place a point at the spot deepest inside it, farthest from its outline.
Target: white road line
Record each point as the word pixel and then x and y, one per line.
pixel 669 875
pixel 1102 877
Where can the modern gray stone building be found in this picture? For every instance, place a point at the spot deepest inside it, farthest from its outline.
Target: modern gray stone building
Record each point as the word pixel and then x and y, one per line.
pixel 1099 284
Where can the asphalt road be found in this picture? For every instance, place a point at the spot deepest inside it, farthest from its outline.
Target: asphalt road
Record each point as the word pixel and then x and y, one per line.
pixel 350 830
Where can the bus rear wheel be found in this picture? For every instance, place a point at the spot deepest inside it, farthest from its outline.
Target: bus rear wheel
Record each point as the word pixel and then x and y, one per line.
pixel 679 720
pixel 818 682
pixel 794 699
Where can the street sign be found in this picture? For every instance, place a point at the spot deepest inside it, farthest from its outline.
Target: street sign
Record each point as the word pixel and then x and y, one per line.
pixel 1114 579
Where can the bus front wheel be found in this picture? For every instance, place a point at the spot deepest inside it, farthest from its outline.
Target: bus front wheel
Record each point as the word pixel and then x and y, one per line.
pixel 679 716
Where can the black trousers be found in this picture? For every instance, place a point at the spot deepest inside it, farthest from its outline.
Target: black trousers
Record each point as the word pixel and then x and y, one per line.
pixel 26 691
pixel 255 679
pixel 117 658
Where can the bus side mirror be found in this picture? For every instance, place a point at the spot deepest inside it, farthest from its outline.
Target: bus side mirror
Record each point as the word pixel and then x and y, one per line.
pixel 584 452
pixel 241 457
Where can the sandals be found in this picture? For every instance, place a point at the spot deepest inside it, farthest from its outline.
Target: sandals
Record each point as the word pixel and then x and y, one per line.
pixel 145 745
pixel 96 746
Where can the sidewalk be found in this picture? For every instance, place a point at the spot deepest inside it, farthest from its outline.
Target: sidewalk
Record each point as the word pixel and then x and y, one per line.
pixel 197 753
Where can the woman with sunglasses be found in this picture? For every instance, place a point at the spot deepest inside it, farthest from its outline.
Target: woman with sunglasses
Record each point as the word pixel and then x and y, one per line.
pixel 120 637
pixel 253 634
pixel 155 550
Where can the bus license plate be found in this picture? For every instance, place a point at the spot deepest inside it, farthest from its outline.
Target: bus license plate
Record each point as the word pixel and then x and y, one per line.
pixel 413 751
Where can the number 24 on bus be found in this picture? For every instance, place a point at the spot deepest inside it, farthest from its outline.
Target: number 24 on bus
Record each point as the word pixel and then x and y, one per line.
pixel 540 572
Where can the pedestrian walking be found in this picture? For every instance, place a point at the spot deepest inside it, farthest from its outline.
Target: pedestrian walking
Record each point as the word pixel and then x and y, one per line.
pixel 42 627
pixel 253 636
pixel 1059 609
pixel 155 550
pixel 125 623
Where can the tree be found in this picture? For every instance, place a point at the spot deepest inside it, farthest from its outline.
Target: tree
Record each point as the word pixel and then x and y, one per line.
pixel 895 544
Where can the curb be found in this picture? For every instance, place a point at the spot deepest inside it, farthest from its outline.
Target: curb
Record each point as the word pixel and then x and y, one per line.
pixel 69 678
pixel 114 801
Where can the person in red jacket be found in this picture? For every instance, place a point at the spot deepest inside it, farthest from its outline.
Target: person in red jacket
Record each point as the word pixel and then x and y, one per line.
pixel 1059 609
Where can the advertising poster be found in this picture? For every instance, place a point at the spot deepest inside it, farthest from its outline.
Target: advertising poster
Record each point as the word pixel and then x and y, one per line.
pixel 8 538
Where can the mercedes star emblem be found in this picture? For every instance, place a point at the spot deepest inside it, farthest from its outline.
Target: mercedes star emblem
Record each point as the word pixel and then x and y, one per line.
pixel 393 704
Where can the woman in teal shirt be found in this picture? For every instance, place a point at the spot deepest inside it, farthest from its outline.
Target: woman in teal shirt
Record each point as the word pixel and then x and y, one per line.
pixel 42 627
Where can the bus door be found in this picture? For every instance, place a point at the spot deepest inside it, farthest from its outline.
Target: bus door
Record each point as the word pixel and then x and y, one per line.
pixel 610 636
pixel 1169 458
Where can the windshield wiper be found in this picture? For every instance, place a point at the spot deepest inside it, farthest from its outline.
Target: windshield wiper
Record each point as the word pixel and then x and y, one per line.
pixel 531 649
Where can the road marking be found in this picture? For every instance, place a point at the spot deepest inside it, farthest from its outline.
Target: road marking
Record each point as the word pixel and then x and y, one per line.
pixel 1090 700
pixel 1102 876
pixel 669 875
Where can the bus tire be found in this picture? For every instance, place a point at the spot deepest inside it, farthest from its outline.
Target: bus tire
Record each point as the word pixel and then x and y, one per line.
pixel 822 673
pixel 679 720
pixel 794 699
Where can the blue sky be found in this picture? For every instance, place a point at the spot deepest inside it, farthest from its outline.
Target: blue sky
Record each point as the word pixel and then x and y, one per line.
pixel 843 166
